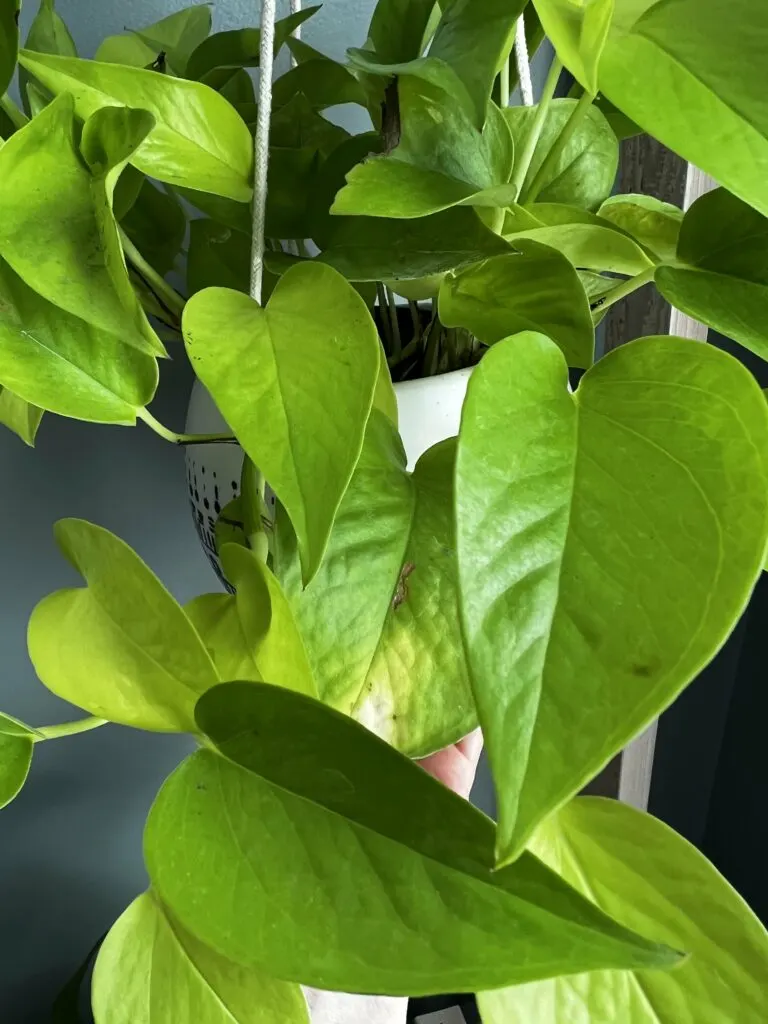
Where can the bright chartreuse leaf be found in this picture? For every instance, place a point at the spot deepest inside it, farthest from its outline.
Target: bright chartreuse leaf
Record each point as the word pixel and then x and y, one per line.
pixel 62 240
pixel 10 726
pixel 306 811
pixel 577 30
pixel 380 619
pixel 21 417
pixel 156 224
pixel 474 38
pixel 176 36
pixel 684 70
pixel 150 970
pixel 15 759
pixel 440 161
pixel 535 289
pixel 57 362
pixel 584 172
pixel 218 257
pixel 110 137
pixel 384 397
pixel 9 41
pixel 199 140
pixel 303 430
pixel 653 223
pixel 397 28
pixel 122 648
pixel 638 870
pixel 588 241
pixel 251 634
pixel 378 248
pixel 239 48
pixel 721 276
pixel 48 33
pixel 578 631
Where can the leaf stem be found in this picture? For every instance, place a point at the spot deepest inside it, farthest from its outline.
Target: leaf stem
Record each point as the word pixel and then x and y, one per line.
pixel 17 117
pixel 386 326
pixel 397 343
pixel 558 147
pixel 631 284
pixel 504 84
pixel 159 285
pixel 182 439
pixel 55 732
pixel 524 162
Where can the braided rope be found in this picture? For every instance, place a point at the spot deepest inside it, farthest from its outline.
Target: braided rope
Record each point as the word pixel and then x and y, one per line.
pixel 261 146
pixel 523 63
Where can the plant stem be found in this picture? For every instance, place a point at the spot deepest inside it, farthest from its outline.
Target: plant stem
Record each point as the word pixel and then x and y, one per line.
pixel 397 343
pixel 55 732
pixel 631 284
pixel 504 83
pixel 524 161
pixel 182 439
pixel 159 285
pixel 415 320
pixel 17 117
pixel 557 148
pixel 386 331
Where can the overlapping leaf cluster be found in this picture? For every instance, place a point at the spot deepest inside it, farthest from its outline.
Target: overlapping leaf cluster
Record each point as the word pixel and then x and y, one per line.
pixel 557 573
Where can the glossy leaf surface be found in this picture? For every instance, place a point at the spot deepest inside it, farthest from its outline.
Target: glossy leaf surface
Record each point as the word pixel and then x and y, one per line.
pixel 535 289
pixel 684 71
pixel 397 29
pixel 48 33
pixel 298 831
pixel 578 633
pixel 121 648
pixel 578 32
pixel 57 230
pixel 586 240
pixel 176 36
pixel 654 224
pixel 252 634
pixel 150 970
pixel 52 359
pixel 304 431
pixel 377 248
pixel 239 48
pixel 380 619
pixel 21 417
pixel 584 173
pixel 199 140
pixel 725 285
pixel 15 759
pixel 9 40
pixel 640 871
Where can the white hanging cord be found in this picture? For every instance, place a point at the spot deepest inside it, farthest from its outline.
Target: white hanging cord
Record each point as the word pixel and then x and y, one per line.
pixel 523 64
pixel 261 146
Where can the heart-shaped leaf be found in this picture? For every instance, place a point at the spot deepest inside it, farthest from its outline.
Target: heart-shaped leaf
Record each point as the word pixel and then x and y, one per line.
pixel 305 812
pixel 62 240
pixel 577 632
pixel 684 70
pixel 437 164
pixel 252 634
pixel 377 248
pixel 198 141
pixel 578 33
pixel 295 381
pixel 588 241
pixel 380 618
pixel 21 417
pixel 239 48
pixel 55 361
pixel 16 745
pixel 639 870
pixel 534 289
pixel 585 170
pixel 655 224
pixel 175 36
pixel 725 285
pixel 149 969
pixel 121 648
pixel 9 41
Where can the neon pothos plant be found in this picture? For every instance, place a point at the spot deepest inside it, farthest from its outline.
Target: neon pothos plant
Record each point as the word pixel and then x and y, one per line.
pixel 558 573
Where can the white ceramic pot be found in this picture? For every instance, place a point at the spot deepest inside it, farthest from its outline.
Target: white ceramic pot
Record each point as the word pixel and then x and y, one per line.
pixel 429 411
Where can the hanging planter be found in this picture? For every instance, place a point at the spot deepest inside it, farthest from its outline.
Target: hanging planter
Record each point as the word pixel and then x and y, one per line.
pixel 429 411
